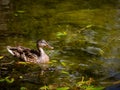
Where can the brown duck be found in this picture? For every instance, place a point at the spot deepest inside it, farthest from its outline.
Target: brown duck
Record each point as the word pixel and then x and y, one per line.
pixel 29 55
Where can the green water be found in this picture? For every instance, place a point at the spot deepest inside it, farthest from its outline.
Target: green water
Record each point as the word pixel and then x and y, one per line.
pixel 85 38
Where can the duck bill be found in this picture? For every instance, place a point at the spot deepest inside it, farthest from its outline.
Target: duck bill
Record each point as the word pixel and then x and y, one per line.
pixel 50 47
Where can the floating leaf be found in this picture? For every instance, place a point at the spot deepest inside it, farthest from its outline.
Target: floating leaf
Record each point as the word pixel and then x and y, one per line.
pixel 63 63
pixel 9 80
pixel 54 61
pixel 44 88
pixel 23 88
pixel 21 11
pixel 21 77
pixel 101 52
pixel 61 34
pixel 1 57
pixel 24 63
pixel 63 88
pixel 88 26
pixel 65 72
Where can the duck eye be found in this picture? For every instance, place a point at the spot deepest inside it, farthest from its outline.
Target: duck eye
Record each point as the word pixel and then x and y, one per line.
pixel 41 41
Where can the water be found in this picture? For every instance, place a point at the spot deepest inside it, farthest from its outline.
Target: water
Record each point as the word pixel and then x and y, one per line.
pixel 86 43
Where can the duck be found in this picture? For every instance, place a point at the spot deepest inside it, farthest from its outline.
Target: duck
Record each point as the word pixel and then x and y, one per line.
pixel 31 55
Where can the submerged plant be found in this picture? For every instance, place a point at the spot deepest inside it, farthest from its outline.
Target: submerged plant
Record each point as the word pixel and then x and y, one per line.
pixel 87 84
pixel 7 79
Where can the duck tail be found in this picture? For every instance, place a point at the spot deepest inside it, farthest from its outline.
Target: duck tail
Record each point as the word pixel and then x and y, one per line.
pixel 9 48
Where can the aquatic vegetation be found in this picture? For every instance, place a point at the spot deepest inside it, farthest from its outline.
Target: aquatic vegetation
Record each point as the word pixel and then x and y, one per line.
pixel 1 57
pixel 7 79
pixel 23 88
pixel 93 50
pixel 81 85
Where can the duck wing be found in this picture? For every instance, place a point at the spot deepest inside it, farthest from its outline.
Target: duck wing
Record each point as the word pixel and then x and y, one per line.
pixel 24 53
pixel 30 55
pixel 17 51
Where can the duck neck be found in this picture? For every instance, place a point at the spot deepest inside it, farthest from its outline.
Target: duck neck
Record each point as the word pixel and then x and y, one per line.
pixel 41 51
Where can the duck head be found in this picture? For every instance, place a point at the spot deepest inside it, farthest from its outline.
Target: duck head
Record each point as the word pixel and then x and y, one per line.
pixel 42 43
